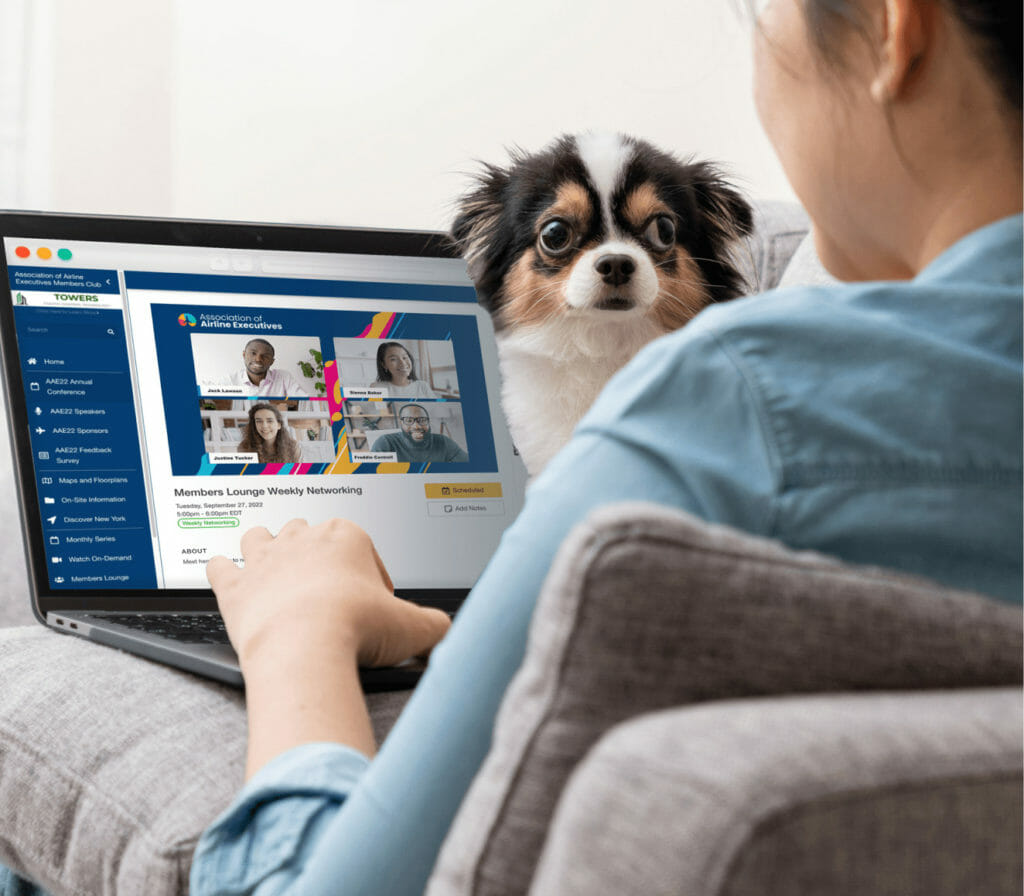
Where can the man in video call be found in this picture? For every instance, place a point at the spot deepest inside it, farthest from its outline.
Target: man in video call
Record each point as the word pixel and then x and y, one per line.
pixel 416 443
pixel 257 376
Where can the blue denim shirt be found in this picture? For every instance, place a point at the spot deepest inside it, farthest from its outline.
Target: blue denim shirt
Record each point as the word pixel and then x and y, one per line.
pixel 877 422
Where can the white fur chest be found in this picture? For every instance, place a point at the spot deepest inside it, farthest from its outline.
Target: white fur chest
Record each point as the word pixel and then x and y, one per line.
pixel 552 373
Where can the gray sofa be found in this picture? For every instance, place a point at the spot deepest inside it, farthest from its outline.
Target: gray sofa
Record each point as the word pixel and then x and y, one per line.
pixel 699 712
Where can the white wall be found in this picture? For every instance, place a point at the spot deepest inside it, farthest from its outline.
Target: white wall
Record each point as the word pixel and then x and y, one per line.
pixel 26 111
pixel 370 113
pixel 113 106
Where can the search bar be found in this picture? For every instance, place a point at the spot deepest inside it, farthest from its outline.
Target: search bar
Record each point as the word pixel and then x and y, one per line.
pixel 84 330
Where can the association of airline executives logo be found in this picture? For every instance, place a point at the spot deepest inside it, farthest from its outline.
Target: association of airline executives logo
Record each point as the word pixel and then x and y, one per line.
pixel 186 320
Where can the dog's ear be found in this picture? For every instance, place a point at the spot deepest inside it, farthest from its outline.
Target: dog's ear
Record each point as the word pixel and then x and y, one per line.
pixel 724 218
pixel 730 214
pixel 476 231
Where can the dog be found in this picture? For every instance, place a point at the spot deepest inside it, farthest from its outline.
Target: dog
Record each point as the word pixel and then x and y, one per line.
pixel 583 253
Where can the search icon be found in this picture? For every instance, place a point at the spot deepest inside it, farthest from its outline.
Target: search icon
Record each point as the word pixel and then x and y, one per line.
pixel 111 333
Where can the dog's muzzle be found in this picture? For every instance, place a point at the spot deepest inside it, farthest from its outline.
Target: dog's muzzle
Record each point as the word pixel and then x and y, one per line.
pixel 615 270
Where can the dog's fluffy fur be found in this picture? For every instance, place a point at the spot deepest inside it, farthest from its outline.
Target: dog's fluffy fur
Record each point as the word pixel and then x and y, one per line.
pixel 583 253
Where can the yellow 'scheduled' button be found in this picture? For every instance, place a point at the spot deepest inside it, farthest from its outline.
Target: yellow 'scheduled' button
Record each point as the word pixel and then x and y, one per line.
pixel 463 489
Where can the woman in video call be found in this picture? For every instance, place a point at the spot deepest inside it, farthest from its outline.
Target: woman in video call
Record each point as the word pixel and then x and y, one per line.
pixel 396 372
pixel 267 436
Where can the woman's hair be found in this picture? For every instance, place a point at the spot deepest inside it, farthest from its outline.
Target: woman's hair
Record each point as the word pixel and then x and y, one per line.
pixel 383 374
pixel 284 450
pixel 992 26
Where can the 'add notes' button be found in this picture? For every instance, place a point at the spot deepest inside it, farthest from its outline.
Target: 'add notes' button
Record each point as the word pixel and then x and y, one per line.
pixel 463 489
pixel 455 509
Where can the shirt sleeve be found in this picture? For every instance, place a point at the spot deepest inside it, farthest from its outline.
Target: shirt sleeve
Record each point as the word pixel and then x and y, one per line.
pixel 292 386
pixel 671 428
pixel 260 844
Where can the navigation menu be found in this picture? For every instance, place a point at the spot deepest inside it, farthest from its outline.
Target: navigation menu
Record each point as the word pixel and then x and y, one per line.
pixel 85 445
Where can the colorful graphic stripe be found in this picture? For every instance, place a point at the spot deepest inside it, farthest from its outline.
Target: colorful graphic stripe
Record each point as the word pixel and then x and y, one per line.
pixel 333 390
pixel 380 326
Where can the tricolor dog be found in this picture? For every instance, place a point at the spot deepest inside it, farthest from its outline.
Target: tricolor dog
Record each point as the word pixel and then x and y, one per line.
pixel 583 253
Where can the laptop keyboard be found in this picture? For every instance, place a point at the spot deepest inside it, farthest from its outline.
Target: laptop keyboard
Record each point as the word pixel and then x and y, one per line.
pixel 192 628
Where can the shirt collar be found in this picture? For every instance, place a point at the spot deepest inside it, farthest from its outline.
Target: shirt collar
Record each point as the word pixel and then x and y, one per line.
pixel 992 254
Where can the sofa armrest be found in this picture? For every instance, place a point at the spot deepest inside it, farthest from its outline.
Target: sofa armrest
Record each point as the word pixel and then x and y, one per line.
pixel 112 766
pixel 647 608
pixel 915 795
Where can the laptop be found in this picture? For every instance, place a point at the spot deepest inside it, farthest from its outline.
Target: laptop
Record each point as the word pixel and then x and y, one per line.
pixel 171 384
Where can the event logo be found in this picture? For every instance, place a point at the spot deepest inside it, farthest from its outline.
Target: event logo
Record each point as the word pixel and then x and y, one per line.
pixel 186 320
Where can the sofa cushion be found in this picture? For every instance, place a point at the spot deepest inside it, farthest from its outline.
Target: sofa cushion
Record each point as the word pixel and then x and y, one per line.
pixel 890 794
pixel 647 608
pixel 15 607
pixel 111 766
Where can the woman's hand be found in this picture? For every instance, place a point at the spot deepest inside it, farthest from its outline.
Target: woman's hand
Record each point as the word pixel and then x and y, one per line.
pixel 304 610
pixel 321 585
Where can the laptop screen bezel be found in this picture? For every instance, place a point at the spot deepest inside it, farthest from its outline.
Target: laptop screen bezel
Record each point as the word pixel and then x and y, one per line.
pixel 166 232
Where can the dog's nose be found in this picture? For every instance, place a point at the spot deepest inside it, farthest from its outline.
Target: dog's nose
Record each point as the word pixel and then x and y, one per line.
pixel 615 269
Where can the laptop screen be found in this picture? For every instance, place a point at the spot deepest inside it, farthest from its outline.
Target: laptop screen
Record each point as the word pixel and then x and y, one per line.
pixel 178 392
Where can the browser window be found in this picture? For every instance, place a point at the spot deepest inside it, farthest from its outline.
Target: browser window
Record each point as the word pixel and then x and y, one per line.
pixel 179 396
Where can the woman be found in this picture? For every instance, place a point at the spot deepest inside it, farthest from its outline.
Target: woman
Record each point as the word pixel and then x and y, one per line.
pixel 396 372
pixel 267 436
pixel 877 420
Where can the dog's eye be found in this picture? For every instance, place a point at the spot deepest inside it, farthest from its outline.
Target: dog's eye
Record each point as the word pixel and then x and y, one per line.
pixel 556 237
pixel 661 232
